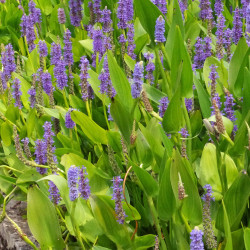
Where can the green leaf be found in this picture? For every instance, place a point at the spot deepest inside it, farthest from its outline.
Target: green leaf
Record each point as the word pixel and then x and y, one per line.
pixel 166 203
pixel 246 93
pixel 46 6
pixel 140 42
pixel 120 82
pixel 247 238
pixel 153 94
pixel 93 131
pixel 87 44
pixel 6 133
pixel 147 13
pixel 236 67
pixel 181 56
pixel 28 176
pixel 144 242
pixel 46 230
pixel 104 214
pixel 235 200
pixel 228 238
pixel 32 63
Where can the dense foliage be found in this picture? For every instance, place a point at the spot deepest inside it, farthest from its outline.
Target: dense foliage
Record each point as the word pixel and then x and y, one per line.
pixel 125 124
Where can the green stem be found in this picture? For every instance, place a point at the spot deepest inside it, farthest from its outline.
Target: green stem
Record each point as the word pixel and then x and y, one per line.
pixel 23 235
pixel 154 114
pixel 105 115
pixel 10 168
pixel 165 86
pixel 88 108
pixel 157 223
pixel 65 98
pixel 165 54
pixel 187 120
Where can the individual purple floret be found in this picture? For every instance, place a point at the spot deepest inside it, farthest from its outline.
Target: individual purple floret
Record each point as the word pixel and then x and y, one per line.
pixel 97 10
pixel 68 55
pixel 196 239
pixel 83 184
pixel 17 93
pixel 41 155
pixel 189 104
pixel 42 48
pixel 75 12
pixel 35 13
pixel 68 121
pixel 122 14
pixel 46 82
pixel 61 16
pixel 218 7
pixel 160 30
pixel 106 84
pixel 130 10
pixel 150 67
pixel 56 53
pixel 60 74
pixel 32 98
pixel 54 196
pixel 106 20
pixel 118 197
pixel 131 42
pixel 136 87
pixel 72 182
pixel 205 9
pixel 219 35
pixel 237 26
pixel 84 78
pixel 163 106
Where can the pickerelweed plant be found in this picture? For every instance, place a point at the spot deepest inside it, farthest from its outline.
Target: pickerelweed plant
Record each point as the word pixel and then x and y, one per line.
pixel 125 124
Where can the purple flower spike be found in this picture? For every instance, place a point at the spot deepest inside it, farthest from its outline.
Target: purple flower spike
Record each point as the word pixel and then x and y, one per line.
pixel 54 196
pixel 97 45
pixel 237 26
pixel 162 5
pixel 75 12
pixel 218 7
pixel 35 13
pixel 43 50
pixel 97 10
pixel 130 8
pixel 199 54
pixel 228 109
pixel 219 34
pixel 60 74
pixel 68 55
pixel 196 239
pixel 207 47
pixel 118 197
pixel 56 53
pixel 84 78
pixel 248 19
pixel 40 153
pixel 160 30
pixel 184 133
pixel 32 98
pixel 150 67
pixel 72 182
pixel 17 93
pixel 106 20
pixel 122 14
pixel 205 9
pixel 83 184
pixel 163 106
pixel 189 104
pixel 137 80
pixel 68 121
pixel 46 82
pixel 131 43
pixel 61 16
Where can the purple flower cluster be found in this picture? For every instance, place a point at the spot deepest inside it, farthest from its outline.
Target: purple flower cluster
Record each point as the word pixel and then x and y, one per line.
pixel 35 13
pixel 68 121
pixel 130 10
pixel 61 16
pixel 106 84
pixel 118 197
pixel 150 67
pixel 205 13
pixel 131 43
pixel 237 26
pixel 75 12
pixel 162 5
pixel 56 53
pixel 228 109
pixel 219 34
pixel 41 155
pixel 97 46
pixel 196 239
pixel 54 196
pixel 189 104
pixel 68 55
pixel 122 14
pixel 136 87
pixel 43 50
pixel 218 7
pixel 8 62
pixel 184 133
pixel 17 93
pixel 160 30
pixel 60 74
pixel 97 10
pixel 32 98
pixel 106 20
pixel 77 177
pixel 164 102
pixel 47 83
pixel 202 51
pixel 248 19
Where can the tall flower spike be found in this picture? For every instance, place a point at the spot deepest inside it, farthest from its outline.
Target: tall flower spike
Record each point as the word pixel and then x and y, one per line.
pixel 199 54
pixel 32 92
pixel 56 53
pixel 17 93
pixel 97 10
pixel 146 102
pixel 35 13
pixel 61 16
pixel 189 104
pixel 150 67
pixel 205 8
pixel 163 106
pixel 18 147
pixel 54 196
pixel 219 35
pixel 227 41
pixel 248 19
pixel 163 6
pixel 207 222
pixel 68 55
pixel 137 80
pixel 131 42
pixel 75 12
pixel 26 147
pixel 72 182
pixel 181 190
pixel 237 26
pixel 83 184
pixel 229 111
pixel 68 121
pixel 40 153
pixel 184 134
pixel 118 197
pixel 106 20
pixel 47 82
pixel 84 84
pixel 43 50
pixel 160 30
pixel 60 74
pixel 207 47
pixel 196 239
pixel 213 76
pixel 218 7
pixel 97 46
pixel 122 14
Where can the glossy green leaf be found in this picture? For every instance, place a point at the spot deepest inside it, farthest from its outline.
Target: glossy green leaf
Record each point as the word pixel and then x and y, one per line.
pixel 87 44
pixel 228 240
pixel 144 242
pixel 247 238
pixel 246 93
pixel 46 230
pixel 153 93
pixel 93 131
pixel 6 133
